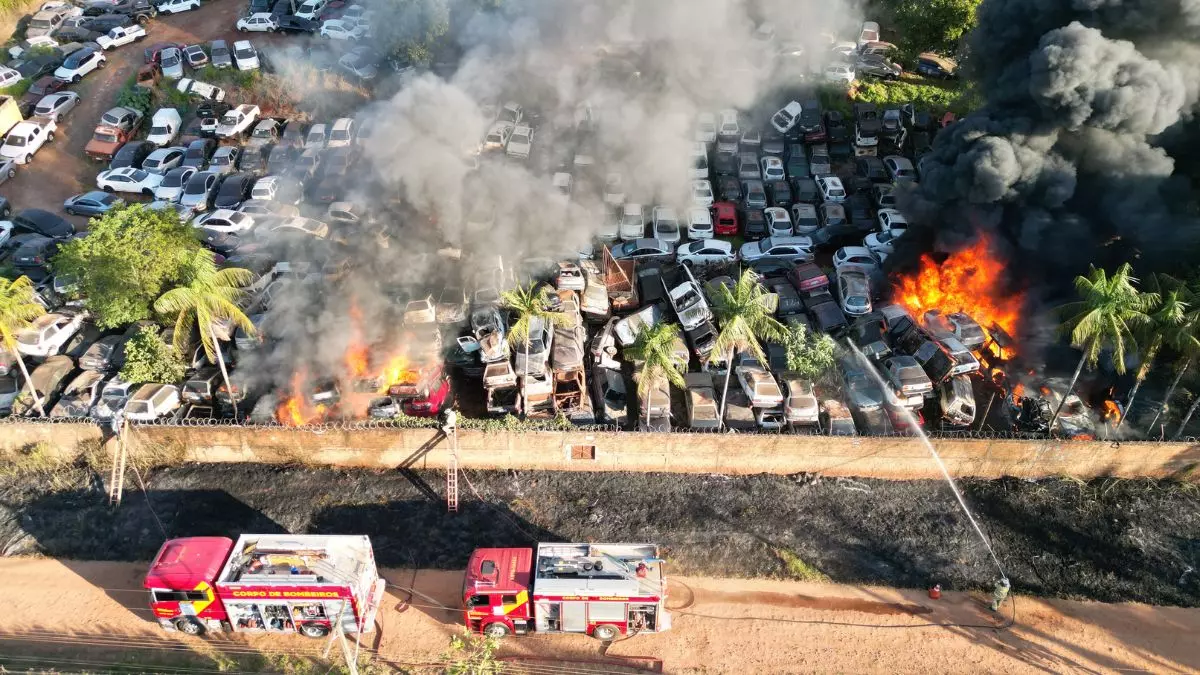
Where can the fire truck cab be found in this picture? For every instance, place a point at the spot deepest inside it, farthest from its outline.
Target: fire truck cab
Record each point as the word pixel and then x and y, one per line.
pixel 266 583
pixel 602 590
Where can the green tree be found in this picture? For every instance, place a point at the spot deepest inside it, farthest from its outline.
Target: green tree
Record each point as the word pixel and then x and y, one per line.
pixel 414 28
pixel 1109 310
pixel 129 256
pixel 809 354
pixel 208 294
pixel 931 25
pixel 653 353
pixel 149 359
pixel 745 315
pixel 528 303
pixel 17 310
pixel 1165 327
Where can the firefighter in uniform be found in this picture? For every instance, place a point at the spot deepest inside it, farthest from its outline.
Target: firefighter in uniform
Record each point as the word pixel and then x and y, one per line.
pixel 449 420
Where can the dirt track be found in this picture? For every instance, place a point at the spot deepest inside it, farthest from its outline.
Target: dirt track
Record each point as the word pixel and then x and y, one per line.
pixel 95 613
pixel 1109 541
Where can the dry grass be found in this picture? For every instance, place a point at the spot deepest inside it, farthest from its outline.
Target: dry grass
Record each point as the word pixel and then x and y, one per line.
pixel 42 462
pixel 11 12
pixel 798 569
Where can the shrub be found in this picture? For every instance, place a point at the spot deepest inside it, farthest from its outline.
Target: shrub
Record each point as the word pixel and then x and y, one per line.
pixel 149 359
pixel 17 90
pixel 135 97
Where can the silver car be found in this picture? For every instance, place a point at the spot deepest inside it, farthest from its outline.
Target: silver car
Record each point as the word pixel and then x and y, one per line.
pixel 55 106
pixel 8 168
pixel 171 60
pixel 197 189
pixel 221 56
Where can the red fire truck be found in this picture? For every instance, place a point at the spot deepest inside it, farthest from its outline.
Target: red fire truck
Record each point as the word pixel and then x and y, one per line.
pixel 266 583
pixel 602 590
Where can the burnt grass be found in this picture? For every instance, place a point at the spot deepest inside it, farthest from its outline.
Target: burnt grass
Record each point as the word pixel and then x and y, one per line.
pixel 1108 540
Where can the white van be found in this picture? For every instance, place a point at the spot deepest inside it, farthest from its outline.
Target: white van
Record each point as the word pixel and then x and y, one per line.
pixel 164 127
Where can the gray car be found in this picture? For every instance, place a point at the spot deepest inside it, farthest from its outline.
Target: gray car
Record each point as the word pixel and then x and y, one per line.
pixel 877 66
pixel 171 60
pixel 55 106
pixel 198 190
pixel 225 160
pixel 94 203
pixel 8 168
pixel 220 54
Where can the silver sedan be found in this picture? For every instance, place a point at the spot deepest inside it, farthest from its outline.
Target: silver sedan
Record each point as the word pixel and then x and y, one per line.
pixel 56 106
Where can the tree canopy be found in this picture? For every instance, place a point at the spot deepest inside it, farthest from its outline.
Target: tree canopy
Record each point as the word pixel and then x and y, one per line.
pixel 149 359
pixel 931 25
pixel 129 256
pixel 808 353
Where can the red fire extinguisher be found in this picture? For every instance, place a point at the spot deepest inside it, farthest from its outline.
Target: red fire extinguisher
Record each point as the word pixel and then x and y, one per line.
pixel 936 592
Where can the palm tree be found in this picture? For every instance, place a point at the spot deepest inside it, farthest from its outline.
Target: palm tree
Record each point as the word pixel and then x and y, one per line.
pixel 1185 340
pixel 208 295
pixel 1110 309
pixel 744 316
pixel 1163 328
pixel 653 349
pixel 528 303
pixel 17 310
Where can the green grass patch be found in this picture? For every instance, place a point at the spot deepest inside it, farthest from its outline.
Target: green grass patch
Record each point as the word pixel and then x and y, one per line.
pixel 229 77
pixel 17 90
pixel 935 96
pixel 797 569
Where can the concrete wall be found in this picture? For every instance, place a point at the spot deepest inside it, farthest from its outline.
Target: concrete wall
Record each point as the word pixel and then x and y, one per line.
pixel 685 453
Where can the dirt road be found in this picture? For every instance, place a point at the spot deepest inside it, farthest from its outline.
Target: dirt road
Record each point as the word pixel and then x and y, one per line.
pixel 94 612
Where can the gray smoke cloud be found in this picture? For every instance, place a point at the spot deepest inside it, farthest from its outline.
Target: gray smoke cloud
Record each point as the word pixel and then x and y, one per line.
pixel 1064 160
pixel 641 70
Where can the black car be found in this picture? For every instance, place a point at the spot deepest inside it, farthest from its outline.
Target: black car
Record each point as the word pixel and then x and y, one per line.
pixel 198 152
pixel 212 109
pixel 280 160
pixel 296 25
pixel 34 67
pixel 754 224
pixel 5 208
pixel 795 161
pixel 920 143
pixel 772 142
pixel 779 193
pixel 33 256
pixel 68 34
pixel 725 164
pixel 106 22
pixel 234 190
pixel 872 169
pixel 44 223
pixel 805 191
pixel 810 123
pixel 858 210
pixel 132 154
pixel 254 158
pixel 281 8
pixel 729 189
pixel 835 125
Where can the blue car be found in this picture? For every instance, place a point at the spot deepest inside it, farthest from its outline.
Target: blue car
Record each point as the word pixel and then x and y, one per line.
pixel 92 203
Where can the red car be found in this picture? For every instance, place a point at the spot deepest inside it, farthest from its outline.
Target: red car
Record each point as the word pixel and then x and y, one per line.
pixel 725 220
pixel 431 405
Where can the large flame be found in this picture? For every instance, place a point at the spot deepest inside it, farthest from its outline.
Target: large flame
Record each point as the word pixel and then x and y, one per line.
pixel 357 352
pixel 970 281
pixel 295 410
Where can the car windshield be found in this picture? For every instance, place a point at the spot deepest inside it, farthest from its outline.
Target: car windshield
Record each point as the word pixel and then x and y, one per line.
pixel 197 187
pixel 340 135
pixel 138 407
pixel 220 51
pixel 245 52
pixel 41 23
pixel 105 137
pixel 15 141
pixel 170 59
pixel 230 119
pixel 173 180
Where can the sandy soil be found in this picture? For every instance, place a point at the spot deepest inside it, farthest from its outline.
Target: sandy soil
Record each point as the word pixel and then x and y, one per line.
pixel 94 612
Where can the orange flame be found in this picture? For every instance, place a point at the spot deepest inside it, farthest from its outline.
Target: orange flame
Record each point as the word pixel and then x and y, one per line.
pixel 295 411
pixel 357 352
pixel 970 281
pixel 1112 412
pixel 1018 391
pixel 396 372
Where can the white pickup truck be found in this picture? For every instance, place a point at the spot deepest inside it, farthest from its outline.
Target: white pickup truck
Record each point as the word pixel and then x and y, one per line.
pixel 121 35
pixel 238 120
pixel 25 139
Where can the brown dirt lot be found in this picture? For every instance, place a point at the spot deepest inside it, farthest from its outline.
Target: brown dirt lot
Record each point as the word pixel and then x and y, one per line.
pixel 73 615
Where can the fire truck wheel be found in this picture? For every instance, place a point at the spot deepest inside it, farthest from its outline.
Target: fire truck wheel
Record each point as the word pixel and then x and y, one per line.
pixel 314 630
pixel 605 632
pixel 496 630
pixel 187 624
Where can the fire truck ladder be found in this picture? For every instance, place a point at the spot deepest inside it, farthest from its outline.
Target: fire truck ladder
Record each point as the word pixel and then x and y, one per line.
pixel 116 482
pixel 452 474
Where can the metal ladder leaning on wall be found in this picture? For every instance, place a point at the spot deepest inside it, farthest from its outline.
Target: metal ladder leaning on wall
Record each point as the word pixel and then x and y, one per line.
pixel 116 482
pixel 452 474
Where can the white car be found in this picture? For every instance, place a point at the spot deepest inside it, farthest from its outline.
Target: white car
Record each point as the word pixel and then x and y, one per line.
pixel 25 139
pixel 891 220
pixel 311 9
pixel 702 193
pixel 614 189
pixel 341 134
pixel 225 221
pixel 760 387
pixel 152 401
pixel 520 142
pixel 700 223
pixel 121 35
pixel 771 168
pixel 882 243
pixel 497 136
pixel 163 160
pixel 260 22
pixel 317 136
pixel 53 106
pixel 665 225
pixel 783 249
pixel 706 252
pixel 706 128
pixel 80 63
pixel 341 29
pixel 9 77
pixel 831 189
pixel 203 90
pixel 245 55
pixel 839 72
pixel 177 6
pixel 786 117
pixel 129 179
pixel 854 255
pixel 728 127
pixel 237 121
pixel 48 333
pixel 699 161
pixel 779 222
pixel 633 222
pixel 854 290
pixel 164 127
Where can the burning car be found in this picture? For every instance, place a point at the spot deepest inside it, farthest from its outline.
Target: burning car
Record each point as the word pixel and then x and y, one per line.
pixel 488 327
pixel 431 403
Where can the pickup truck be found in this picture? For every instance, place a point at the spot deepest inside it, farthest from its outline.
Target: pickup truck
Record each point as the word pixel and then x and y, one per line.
pixel 25 139
pixel 106 141
pixel 121 35
pixel 237 121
